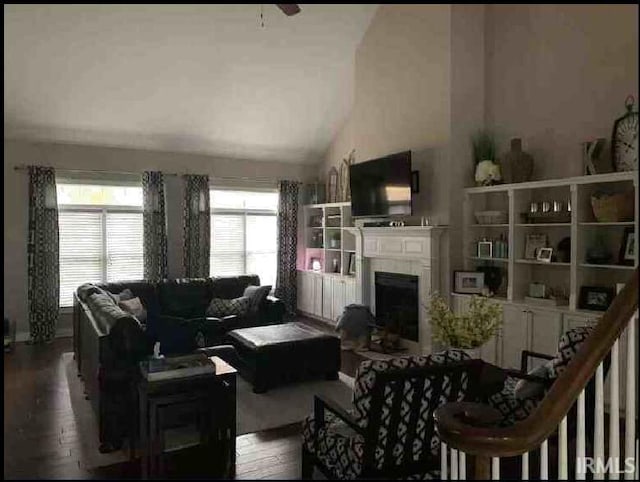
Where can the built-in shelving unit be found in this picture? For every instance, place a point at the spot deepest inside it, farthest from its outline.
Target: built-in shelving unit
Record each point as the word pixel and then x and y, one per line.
pixel 572 270
pixel 326 237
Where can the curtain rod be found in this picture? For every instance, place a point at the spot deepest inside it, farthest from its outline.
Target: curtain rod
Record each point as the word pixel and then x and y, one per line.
pixel 23 167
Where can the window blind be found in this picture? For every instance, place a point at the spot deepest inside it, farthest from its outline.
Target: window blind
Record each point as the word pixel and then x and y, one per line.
pixel 244 235
pixel 124 246
pixel 80 251
pixel 227 244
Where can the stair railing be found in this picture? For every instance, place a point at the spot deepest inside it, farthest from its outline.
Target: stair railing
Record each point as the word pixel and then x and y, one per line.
pixel 470 428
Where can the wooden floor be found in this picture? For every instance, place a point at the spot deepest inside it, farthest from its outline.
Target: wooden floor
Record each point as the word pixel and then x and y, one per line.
pixel 41 438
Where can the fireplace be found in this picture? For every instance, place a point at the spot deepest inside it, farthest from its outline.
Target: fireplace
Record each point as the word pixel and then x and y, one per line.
pixel 397 303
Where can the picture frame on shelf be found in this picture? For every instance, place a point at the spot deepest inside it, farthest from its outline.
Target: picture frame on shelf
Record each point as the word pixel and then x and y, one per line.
pixel 537 290
pixel 485 249
pixel 533 242
pixel 596 298
pixel 352 263
pixel 627 248
pixel 544 255
pixel 468 282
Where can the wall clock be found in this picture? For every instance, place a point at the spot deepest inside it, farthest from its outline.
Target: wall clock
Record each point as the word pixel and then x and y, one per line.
pixel 624 140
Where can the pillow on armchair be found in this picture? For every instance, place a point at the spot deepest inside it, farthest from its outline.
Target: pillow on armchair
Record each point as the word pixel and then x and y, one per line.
pixel 220 307
pixel 256 295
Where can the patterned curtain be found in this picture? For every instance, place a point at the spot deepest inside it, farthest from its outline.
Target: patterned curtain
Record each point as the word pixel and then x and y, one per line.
pixel 42 254
pixel 155 227
pixel 197 221
pixel 287 245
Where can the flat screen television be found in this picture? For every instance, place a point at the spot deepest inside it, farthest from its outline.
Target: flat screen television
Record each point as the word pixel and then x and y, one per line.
pixel 381 187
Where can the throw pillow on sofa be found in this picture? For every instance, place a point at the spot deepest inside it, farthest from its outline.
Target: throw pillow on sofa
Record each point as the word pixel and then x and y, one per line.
pixel 256 294
pixel 124 295
pixel 134 307
pixel 220 307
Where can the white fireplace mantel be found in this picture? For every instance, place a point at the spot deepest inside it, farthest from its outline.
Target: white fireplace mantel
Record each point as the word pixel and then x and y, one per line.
pixel 413 250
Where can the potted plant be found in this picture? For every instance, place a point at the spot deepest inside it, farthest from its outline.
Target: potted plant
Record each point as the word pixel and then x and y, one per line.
pixel 467 331
pixel 487 172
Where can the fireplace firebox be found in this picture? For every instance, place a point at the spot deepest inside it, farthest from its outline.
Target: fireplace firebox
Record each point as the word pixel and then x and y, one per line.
pixel 397 303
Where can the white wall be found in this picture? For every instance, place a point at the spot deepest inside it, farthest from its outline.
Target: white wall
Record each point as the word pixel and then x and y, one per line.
pixel 70 156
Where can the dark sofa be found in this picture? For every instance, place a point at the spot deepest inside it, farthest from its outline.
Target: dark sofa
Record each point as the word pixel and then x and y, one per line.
pixel 109 343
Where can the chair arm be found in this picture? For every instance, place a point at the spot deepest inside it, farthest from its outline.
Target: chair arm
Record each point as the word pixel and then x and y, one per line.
pixel 273 310
pixel 321 402
pixel 526 354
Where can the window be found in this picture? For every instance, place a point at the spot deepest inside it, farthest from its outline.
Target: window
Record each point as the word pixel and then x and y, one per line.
pixel 244 236
pixel 100 235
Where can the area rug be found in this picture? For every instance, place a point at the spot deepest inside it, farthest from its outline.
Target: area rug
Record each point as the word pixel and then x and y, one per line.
pixel 255 412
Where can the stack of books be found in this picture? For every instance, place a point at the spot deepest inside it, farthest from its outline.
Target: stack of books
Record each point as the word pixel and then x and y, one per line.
pixel 155 369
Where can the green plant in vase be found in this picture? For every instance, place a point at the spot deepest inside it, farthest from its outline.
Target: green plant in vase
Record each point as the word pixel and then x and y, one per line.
pixel 469 330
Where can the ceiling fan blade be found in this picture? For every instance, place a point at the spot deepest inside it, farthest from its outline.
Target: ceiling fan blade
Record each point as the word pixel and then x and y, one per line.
pixel 288 8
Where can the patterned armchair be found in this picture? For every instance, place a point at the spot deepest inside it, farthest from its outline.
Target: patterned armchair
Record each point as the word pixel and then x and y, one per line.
pixel 389 430
pixel 515 401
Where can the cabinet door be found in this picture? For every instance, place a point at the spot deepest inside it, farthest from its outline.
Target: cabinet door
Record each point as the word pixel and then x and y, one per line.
pixel 514 335
pixel 317 295
pixel 544 333
pixel 338 297
pixel 300 280
pixel 327 297
pixel 349 292
pixel 575 321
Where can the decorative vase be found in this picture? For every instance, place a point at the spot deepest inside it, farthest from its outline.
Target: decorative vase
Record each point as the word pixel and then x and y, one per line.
pixel 487 173
pixel 517 165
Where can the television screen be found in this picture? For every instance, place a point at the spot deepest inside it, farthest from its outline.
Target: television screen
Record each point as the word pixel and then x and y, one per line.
pixel 381 187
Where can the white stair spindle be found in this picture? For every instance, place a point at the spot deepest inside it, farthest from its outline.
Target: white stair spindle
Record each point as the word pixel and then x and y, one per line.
pixel 495 468
pixel 454 464
pixel 598 435
pixel 562 450
pixel 525 466
pixel 462 472
pixel 630 401
pixel 544 461
pixel 443 461
pixel 614 414
pixel 580 439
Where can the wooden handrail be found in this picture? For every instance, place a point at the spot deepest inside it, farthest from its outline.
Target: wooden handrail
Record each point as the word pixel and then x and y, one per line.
pixel 460 425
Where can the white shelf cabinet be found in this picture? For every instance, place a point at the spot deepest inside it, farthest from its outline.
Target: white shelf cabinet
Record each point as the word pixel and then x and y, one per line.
pixel 582 229
pixel 326 236
pixel 324 295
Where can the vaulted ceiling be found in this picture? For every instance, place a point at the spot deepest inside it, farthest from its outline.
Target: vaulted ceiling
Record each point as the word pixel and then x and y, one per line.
pixel 197 78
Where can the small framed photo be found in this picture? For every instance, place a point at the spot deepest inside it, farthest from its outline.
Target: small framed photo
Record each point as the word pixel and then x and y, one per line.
pixel 627 249
pixel 352 263
pixel 595 298
pixel 544 255
pixel 532 243
pixel 471 282
pixel 485 249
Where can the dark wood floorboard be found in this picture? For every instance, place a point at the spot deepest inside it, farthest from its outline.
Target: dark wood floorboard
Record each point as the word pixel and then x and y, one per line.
pixel 41 438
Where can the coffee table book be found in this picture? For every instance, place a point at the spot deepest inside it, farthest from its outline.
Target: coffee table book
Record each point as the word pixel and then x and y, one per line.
pixel 156 369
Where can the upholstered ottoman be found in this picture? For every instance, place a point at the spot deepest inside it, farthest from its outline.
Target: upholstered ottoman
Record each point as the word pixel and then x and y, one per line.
pixel 275 354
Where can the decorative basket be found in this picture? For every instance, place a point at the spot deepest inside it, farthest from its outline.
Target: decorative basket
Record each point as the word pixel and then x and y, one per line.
pixel 491 217
pixel 611 208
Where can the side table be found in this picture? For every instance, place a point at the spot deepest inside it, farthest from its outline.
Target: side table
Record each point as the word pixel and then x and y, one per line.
pixel 206 401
